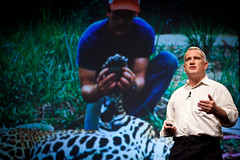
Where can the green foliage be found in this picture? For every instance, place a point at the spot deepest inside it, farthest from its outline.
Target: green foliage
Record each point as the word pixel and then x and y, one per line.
pixel 37 68
pixel 228 59
pixel 202 33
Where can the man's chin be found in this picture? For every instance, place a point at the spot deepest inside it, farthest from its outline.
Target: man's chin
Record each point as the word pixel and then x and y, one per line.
pixel 119 33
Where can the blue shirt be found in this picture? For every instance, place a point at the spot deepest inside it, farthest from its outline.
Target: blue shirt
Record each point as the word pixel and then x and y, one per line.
pixel 95 47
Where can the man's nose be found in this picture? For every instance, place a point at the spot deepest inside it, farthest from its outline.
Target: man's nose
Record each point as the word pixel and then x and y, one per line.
pixel 192 61
pixel 120 21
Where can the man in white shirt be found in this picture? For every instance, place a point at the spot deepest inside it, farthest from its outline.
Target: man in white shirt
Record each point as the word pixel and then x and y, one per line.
pixel 197 111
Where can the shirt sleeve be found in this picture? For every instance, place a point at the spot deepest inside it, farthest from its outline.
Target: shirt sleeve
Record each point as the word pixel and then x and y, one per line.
pixel 169 117
pixel 88 46
pixel 227 104
pixel 142 37
pixel 84 55
pixel 146 46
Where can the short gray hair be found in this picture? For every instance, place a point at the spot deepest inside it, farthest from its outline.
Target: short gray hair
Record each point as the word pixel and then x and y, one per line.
pixel 199 49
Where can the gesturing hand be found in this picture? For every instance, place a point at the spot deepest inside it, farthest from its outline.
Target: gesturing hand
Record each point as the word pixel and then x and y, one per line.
pixel 208 106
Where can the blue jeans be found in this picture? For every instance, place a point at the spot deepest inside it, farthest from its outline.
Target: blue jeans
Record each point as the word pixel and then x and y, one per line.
pixel 160 71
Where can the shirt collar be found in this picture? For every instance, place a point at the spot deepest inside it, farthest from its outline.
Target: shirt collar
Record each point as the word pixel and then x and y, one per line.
pixel 204 81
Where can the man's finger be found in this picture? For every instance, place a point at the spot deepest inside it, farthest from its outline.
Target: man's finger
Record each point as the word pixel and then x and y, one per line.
pixel 101 75
pixel 210 97
pixel 125 69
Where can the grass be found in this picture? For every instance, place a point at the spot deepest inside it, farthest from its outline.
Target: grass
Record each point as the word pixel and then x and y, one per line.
pixel 38 68
pixel 39 78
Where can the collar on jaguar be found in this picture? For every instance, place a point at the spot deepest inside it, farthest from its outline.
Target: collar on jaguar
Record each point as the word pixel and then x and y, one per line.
pixel 112 108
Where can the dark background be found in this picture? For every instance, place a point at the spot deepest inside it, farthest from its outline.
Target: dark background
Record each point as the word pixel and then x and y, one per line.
pixel 14 12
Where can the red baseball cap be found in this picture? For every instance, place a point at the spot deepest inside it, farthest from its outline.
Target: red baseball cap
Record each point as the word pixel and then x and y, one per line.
pixel 132 5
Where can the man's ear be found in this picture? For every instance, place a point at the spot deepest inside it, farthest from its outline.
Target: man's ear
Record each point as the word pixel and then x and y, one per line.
pixel 107 14
pixel 107 10
pixel 206 65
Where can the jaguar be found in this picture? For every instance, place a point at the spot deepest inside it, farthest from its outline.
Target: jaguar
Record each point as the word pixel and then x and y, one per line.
pixel 119 136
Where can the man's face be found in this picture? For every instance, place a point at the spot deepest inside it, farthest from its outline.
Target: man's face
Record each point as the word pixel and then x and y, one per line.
pixel 120 21
pixel 194 65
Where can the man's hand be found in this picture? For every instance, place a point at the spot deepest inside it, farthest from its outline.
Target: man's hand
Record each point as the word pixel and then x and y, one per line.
pixel 208 106
pixel 105 84
pixel 169 128
pixel 127 80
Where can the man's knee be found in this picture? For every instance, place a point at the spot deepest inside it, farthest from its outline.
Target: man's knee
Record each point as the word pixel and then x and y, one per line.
pixel 170 59
pixel 167 60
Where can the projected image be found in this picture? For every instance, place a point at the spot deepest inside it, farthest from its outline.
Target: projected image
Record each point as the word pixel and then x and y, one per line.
pixel 119 79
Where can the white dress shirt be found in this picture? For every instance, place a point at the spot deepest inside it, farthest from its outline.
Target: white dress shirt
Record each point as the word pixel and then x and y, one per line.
pixel 183 112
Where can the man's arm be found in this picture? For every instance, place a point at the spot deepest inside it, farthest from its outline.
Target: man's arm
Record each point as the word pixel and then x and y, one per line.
pixel 92 90
pixel 140 70
pixel 169 126
pixel 210 107
pixel 88 85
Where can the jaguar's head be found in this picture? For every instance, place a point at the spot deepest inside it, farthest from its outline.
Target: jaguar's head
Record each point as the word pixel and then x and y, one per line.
pixel 112 105
pixel 115 64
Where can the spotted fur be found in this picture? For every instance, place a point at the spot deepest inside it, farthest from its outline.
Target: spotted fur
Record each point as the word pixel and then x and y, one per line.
pixel 119 137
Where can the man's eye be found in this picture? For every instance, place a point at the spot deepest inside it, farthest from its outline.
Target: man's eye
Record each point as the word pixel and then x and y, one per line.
pixel 197 58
